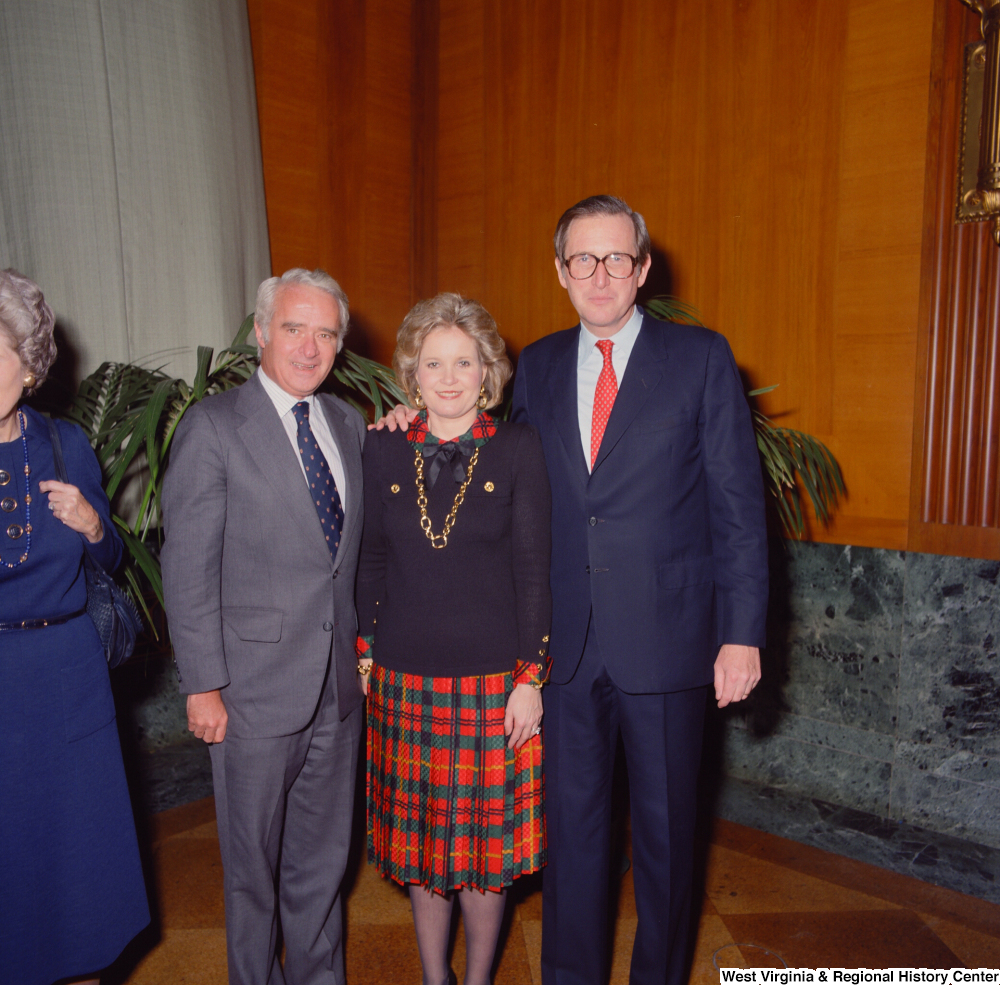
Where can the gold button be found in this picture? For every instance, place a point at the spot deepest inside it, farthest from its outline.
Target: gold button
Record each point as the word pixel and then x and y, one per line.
pixel 4 477
pixel 394 488
pixel 545 639
pixel 8 505
pixel 489 487
pixel 14 531
pixel 541 653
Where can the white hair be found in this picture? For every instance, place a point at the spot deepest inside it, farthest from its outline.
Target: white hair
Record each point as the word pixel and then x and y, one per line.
pixel 267 296
pixel 28 323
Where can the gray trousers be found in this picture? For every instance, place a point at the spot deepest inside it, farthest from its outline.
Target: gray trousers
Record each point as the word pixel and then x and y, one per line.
pixel 284 807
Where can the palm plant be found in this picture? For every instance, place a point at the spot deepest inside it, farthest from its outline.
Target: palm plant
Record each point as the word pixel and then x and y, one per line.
pixel 790 458
pixel 130 414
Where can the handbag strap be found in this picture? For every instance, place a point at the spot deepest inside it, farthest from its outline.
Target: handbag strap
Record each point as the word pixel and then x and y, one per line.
pixel 57 452
pixel 62 476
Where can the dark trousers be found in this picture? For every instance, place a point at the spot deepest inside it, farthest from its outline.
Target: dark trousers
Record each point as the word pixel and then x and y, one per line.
pixel 284 807
pixel 662 737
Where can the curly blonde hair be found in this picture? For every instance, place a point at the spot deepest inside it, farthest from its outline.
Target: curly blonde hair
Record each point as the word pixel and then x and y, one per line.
pixel 471 317
pixel 27 322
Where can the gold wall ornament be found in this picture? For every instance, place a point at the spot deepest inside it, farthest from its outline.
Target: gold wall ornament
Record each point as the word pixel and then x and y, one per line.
pixel 970 207
pixel 980 126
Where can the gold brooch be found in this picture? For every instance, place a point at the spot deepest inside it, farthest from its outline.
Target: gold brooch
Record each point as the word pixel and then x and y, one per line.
pixel 488 487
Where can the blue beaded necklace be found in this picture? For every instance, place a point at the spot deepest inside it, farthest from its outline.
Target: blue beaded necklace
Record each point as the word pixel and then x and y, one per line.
pixel 27 499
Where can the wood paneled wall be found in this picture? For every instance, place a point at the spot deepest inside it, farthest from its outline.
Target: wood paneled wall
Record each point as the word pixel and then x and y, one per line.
pixel 334 84
pixel 955 501
pixel 778 149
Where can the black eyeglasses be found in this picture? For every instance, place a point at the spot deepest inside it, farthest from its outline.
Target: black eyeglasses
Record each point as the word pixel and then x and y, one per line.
pixel 580 266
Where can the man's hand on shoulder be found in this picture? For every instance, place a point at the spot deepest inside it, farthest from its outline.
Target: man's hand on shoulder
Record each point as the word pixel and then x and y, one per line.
pixel 737 672
pixel 399 417
pixel 207 716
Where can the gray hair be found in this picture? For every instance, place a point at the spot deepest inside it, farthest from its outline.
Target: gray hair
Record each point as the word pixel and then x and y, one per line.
pixel 267 295
pixel 602 205
pixel 443 311
pixel 28 322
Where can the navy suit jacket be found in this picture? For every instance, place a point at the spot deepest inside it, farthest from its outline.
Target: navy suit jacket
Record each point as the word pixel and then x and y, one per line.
pixel 665 541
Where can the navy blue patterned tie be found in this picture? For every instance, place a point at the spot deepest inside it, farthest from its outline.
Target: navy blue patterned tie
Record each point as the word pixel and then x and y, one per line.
pixel 321 485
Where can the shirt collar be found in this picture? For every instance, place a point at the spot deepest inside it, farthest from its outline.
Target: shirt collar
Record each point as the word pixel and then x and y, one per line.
pixel 624 338
pixel 419 436
pixel 283 401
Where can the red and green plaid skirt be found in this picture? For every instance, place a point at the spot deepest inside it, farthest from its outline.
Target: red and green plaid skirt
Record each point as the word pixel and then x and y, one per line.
pixel 449 805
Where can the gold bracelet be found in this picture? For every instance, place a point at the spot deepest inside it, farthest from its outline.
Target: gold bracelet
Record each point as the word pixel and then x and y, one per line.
pixel 364 669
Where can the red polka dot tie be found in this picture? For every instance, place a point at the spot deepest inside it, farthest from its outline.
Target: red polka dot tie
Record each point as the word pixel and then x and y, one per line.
pixel 321 485
pixel 604 399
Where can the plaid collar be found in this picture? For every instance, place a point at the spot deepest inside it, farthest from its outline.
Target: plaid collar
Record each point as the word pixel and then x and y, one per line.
pixel 483 428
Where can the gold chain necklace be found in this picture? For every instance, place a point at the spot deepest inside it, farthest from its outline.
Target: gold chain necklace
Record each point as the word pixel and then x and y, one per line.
pixel 425 520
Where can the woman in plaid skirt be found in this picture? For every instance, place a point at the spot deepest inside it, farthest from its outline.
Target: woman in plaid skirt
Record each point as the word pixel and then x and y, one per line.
pixel 454 607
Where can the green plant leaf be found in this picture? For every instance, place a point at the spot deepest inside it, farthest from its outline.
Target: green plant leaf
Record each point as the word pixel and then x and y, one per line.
pixel 668 308
pixel 162 393
pixel 376 383
pixel 200 384
pixel 791 457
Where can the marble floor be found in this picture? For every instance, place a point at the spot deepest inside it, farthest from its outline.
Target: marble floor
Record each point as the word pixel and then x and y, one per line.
pixel 764 900
pixel 178 774
pixel 930 856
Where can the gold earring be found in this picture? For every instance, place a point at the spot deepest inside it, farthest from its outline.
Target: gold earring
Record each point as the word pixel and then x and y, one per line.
pixel 28 381
pixel 482 401
pixel 418 400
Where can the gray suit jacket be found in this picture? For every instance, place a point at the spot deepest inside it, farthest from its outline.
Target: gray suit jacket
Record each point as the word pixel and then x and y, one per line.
pixel 254 601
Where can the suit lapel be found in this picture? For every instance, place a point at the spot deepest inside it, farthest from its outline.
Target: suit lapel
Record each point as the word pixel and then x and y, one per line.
pixel 642 374
pixel 565 411
pixel 350 457
pixel 267 442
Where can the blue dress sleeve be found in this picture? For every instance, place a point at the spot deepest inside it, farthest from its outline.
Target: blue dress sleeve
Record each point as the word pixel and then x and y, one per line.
pixel 84 472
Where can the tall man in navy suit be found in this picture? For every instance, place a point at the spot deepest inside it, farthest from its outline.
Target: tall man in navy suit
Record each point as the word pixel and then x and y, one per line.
pixel 659 586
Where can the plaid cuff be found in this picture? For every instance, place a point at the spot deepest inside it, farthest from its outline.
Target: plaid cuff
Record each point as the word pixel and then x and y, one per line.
pixel 534 674
pixel 363 648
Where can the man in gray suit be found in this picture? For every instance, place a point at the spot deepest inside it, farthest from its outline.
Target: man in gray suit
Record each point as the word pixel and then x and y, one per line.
pixel 263 516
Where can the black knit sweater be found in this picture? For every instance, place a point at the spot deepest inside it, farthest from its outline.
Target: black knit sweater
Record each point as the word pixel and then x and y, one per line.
pixel 481 603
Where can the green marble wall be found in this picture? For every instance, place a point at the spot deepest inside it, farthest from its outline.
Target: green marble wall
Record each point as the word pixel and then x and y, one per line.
pixel 882 688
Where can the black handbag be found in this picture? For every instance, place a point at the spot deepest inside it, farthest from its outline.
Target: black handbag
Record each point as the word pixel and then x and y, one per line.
pixel 114 614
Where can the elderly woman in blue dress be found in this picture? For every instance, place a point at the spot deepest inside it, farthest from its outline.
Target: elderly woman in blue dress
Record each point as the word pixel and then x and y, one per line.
pixel 71 891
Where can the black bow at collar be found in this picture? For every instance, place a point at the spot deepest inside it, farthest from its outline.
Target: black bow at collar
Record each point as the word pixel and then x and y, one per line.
pixel 451 453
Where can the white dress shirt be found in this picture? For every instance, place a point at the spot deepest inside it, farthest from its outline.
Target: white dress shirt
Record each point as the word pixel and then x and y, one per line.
pixel 589 364
pixel 283 404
